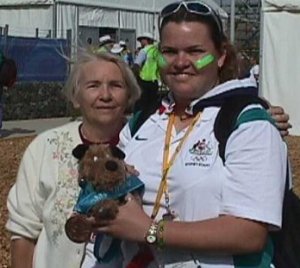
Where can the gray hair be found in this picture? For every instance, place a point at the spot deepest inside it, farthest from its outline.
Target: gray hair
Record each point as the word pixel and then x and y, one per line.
pixel 72 85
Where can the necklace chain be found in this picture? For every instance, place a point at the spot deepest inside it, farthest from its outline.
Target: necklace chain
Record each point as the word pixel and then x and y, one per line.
pixel 184 117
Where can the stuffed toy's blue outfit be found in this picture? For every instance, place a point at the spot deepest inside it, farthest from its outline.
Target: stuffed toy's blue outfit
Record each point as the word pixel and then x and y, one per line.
pixel 89 197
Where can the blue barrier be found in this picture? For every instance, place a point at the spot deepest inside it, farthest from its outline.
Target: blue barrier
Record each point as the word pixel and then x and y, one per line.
pixel 37 59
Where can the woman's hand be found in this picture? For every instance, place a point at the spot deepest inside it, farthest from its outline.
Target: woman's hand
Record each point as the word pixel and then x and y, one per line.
pixel 281 119
pixel 130 170
pixel 131 223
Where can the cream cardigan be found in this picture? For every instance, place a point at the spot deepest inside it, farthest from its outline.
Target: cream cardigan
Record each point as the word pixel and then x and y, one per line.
pixel 43 197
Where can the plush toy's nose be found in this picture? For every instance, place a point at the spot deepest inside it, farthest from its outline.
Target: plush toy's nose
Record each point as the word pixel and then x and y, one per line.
pixel 111 165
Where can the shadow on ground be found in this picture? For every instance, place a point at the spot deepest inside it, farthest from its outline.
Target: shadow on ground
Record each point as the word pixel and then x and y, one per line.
pixel 8 132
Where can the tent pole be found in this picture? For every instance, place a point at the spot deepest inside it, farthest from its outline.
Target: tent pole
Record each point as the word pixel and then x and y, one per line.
pixel 153 21
pixel 54 20
pixel 232 21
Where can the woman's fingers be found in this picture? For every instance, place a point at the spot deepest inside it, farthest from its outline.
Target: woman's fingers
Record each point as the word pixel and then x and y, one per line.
pixel 281 119
pixel 130 170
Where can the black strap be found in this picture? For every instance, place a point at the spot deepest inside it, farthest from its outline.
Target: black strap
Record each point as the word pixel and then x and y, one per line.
pixel 287 240
pixel 139 117
pixel 227 117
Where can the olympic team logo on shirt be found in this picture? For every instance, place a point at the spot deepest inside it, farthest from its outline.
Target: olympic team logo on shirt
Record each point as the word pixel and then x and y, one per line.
pixel 200 152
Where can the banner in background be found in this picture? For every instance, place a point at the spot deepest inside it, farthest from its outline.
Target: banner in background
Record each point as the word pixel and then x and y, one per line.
pixel 37 59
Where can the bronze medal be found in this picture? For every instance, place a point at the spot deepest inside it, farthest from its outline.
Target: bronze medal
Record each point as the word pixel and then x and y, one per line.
pixel 78 229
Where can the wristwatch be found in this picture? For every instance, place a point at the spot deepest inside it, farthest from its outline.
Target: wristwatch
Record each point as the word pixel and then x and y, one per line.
pixel 151 235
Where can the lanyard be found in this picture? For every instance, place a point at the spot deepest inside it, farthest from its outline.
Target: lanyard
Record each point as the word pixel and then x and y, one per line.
pixel 163 187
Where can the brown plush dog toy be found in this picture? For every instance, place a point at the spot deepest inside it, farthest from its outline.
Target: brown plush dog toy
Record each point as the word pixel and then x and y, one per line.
pixel 104 185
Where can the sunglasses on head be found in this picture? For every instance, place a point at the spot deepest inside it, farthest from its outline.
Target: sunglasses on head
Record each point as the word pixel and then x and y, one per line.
pixel 194 7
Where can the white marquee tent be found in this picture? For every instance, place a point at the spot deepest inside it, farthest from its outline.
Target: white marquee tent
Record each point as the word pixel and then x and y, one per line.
pixel 24 16
pixel 280 56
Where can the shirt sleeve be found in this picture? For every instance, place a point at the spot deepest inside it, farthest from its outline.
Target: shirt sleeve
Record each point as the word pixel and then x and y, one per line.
pixel 256 159
pixel 141 58
pixel 24 201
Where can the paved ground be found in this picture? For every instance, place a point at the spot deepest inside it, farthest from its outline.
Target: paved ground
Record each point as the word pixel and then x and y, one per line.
pixel 19 128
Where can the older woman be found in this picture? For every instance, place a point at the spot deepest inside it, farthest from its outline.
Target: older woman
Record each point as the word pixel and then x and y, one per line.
pixel 198 210
pixel 102 87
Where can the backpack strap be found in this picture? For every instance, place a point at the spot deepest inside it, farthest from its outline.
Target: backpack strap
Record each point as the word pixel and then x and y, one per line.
pixel 139 117
pixel 229 118
pixel 135 122
pixel 286 242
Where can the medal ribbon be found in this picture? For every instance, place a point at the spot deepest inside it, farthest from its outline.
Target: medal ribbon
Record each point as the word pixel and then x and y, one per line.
pixel 163 187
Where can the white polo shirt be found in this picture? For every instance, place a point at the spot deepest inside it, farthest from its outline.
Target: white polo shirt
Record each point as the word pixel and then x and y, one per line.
pixel 250 185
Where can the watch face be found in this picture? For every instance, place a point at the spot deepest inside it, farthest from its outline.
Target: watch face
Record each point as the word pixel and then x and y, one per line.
pixel 151 239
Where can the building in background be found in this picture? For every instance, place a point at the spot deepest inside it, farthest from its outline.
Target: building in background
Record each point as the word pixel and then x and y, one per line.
pixel 123 20
pixel 247 25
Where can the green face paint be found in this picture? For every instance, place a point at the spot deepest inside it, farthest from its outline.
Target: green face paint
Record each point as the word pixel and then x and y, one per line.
pixel 162 63
pixel 206 60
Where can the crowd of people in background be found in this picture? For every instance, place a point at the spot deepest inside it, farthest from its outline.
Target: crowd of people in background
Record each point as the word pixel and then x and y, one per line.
pixel 143 62
pixel 108 44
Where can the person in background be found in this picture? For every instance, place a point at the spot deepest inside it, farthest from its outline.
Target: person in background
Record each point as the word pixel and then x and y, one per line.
pixel 90 46
pixel 8 76
pixel 102 86
pixel 198 210
pixel 137 51
pixel 106 43
pixel 254 68
pixel 117 50
pixel 145 68
pixel 126 53
pixel 89 41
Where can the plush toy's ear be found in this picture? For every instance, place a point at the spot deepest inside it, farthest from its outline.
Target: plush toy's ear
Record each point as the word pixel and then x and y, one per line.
pixel 116 152
pixel 80 150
